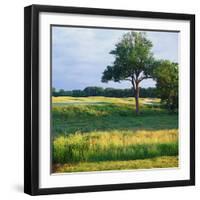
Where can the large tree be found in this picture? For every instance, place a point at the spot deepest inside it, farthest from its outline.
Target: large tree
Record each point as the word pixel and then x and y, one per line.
pixel 133 62
pixel 166 76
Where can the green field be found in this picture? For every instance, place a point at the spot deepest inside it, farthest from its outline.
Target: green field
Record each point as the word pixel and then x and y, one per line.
pixel 102 133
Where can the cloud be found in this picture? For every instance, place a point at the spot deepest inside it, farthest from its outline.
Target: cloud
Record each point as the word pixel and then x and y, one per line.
pixel 165 45
pixel 80 55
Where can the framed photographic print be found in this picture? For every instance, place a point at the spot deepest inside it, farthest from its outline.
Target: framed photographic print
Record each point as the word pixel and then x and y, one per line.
pixel 109 99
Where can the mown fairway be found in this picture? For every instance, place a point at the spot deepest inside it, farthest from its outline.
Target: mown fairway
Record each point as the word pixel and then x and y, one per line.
pixel 101 133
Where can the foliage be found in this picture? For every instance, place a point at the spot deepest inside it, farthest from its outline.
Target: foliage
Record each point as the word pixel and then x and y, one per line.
pixel 166 76
pixel 133 58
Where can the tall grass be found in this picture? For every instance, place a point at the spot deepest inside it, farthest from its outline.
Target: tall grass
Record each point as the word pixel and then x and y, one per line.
pixel 116 145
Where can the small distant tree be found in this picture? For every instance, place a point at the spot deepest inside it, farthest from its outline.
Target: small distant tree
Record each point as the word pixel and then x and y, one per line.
pixel 77 93
pixel 61 92
pixel 166 77
pixel 133 62
pixel 93 91
pixel 54 91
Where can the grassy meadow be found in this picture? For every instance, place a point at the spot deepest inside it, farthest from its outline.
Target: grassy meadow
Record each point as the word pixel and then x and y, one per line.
pixel 102 133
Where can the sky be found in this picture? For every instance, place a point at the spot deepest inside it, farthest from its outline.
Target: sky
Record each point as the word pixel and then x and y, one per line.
pixel 80 55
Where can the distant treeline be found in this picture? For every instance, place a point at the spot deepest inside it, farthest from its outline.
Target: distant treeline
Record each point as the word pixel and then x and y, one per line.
pixel 107 92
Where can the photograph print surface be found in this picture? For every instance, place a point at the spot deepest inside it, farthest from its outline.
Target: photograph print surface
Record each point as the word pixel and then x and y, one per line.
pixel 114 99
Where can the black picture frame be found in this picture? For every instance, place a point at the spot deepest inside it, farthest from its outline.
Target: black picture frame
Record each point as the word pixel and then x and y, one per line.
pixel 31 98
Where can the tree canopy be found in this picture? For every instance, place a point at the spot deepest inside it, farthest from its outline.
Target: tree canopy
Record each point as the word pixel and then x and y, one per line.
pixel 133 59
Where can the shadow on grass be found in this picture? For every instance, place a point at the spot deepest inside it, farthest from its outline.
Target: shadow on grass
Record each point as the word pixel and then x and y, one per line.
pixel 67 119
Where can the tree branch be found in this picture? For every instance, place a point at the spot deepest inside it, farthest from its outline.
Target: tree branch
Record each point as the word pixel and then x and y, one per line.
pixel 144 77
pixel 127 79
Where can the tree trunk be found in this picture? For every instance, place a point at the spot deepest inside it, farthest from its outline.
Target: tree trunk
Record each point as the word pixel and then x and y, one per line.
pixel 137 92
